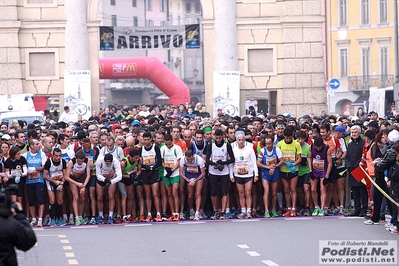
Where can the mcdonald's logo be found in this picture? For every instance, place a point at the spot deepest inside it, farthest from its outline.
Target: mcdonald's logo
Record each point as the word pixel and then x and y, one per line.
pixel 121 68
pixel 130 68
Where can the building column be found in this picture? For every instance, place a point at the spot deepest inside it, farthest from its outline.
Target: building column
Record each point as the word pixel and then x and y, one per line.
pixel 226 48
pixel 225 40
pixel 76 36
pixel 10 68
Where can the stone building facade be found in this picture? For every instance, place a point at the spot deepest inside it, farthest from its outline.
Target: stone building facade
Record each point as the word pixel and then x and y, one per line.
pixel 279 44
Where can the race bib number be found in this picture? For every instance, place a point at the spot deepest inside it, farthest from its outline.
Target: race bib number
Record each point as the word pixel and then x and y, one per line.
pixel 242 168
pixel 271 160
pixel 192 170
pixel 57 176
pixel 34 176
pixel 78 174
pixel 318 164
pixel 109 175
pixel 289 157
pixel 149 160
pixel 169 164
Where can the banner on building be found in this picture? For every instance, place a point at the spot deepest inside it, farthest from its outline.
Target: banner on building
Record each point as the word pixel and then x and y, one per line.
pixel 226 92
pixel 77 93
pixel 150 38
pixel 377 101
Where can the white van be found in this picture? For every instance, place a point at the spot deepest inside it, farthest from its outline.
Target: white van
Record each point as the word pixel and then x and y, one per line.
pixel 16 102
pixel 26 116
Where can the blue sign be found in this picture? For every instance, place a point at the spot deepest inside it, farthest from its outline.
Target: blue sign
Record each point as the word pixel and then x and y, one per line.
pixel 334 84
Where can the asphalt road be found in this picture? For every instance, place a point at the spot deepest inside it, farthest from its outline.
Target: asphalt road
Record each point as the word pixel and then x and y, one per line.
pixel 281 241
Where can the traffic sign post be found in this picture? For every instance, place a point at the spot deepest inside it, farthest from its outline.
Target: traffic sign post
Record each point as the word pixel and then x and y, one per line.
pixel 334 84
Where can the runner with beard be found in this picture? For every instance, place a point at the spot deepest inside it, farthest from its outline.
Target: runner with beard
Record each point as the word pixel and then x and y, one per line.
pixel 219 155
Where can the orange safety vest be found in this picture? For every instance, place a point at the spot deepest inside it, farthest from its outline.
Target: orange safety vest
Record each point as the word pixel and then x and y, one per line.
pixel 369 160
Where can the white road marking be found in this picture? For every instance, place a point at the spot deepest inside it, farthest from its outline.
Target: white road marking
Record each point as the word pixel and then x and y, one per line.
pixel 298 219
pixel 253 253
pixel 73 262
pixel 137 224
pixel 64 241
pixel 67 247
pixel 270 263
pixel 62 236
pixel 84 227
pixel 192 223
pixel 242 246
pixel 69 254
pixel 245 221
pixel 37 229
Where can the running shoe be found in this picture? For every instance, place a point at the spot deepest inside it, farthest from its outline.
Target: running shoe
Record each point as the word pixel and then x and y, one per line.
pixel 267 215
pixel 274 213
pixel 133 218
pixel 328 212
pixel 61 222
pixel 78 221
pixel 171 218
pixel 249 215
pixel 233 212
pixel 197 217
pixel 287 213
pixel 203 215
pixel 316 211
pixel 321 213
pixel 110 220
pixel 141 219
pixel 341 211
pixel 301 212
pixel 254 213
pixel 215 216
pixel 163 215
pixel 65 219
pixel 92 220
pixel 192 214
pixel 53 223
pixel 100 220
pixel 33 222
pixel 182 216
pixel 149 218
pixel 222 216
pixel 86 220
pixel 176 218
pixel 158 218
pixel 228 215
pixel 370 222
pixel 39 223
pixel 118 220
pixel 394 231
pixel 71 221
pixel 46 220
pixel 388 225
pixel 293 213
pixel 306 212
pixel 242 215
